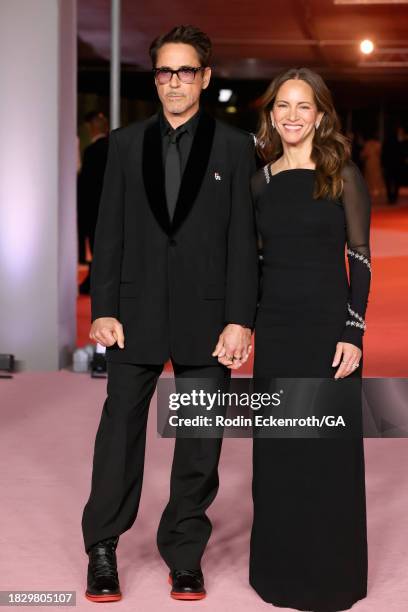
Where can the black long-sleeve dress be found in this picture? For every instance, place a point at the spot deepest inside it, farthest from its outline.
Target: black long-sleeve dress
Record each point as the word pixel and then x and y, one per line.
pixel 309 539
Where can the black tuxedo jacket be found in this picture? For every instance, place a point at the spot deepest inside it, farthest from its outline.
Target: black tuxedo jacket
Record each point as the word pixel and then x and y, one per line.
pixel 175 285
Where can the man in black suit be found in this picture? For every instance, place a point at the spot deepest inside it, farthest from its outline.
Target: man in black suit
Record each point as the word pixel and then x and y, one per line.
pixel 174 276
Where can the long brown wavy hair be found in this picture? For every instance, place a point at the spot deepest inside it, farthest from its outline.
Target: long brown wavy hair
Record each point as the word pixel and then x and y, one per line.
pixel 330 149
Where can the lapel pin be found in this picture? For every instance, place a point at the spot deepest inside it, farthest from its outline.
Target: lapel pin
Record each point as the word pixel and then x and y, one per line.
pixel 217 176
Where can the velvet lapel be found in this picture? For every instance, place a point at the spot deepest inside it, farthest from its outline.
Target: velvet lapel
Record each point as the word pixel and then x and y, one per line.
pixel 153 173
pixel 195 169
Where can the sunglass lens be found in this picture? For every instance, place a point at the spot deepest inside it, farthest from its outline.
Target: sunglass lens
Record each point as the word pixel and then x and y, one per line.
pixel 163 76
pixel 186 76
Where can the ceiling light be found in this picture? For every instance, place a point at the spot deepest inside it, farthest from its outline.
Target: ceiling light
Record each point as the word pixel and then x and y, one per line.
pixel 366 46
pixel 224 95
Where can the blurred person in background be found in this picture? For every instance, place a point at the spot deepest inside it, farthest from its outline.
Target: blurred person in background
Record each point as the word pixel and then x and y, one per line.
pixel 403 140
pixel 357 143
pixel 373 174
pixel 392 158
pixel 90 181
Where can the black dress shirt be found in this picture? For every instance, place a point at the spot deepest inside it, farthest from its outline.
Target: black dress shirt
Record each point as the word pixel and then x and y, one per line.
pixel 184 141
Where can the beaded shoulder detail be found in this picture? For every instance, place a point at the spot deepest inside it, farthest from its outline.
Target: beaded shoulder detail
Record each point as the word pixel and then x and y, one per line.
pixel 267 173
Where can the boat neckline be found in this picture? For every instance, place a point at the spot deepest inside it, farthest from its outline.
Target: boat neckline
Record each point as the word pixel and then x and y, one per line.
pixel 291 170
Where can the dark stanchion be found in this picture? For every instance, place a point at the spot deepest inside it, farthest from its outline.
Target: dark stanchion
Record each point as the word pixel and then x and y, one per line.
pixel 6 365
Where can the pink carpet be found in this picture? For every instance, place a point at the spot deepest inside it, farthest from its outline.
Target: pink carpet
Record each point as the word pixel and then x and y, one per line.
pixel 49 422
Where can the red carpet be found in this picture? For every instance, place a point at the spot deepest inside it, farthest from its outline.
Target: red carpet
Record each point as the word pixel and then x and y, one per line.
pixel 386 338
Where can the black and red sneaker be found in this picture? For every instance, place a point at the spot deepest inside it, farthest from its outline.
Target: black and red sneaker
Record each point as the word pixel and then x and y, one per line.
pixel 187 584
pixel 103 580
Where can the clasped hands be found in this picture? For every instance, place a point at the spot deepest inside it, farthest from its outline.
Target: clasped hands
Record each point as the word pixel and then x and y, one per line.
pixel 234 346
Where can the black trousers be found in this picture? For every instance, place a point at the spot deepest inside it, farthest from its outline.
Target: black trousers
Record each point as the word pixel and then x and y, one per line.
pixel 118 464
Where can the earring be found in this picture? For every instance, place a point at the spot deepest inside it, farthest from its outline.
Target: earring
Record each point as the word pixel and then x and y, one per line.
pixel 317 126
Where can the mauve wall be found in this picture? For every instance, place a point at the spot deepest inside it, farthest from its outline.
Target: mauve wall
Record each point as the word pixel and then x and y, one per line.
pixel 38 181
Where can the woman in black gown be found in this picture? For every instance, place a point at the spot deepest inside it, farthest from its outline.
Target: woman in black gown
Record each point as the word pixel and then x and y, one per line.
pixel 308 541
